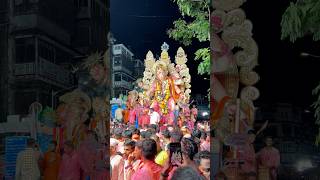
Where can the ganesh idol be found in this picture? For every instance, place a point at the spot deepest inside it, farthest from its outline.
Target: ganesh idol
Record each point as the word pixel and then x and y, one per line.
pixel 166 83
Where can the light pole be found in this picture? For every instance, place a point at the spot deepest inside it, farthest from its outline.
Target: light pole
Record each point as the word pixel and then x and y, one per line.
pixel 54 93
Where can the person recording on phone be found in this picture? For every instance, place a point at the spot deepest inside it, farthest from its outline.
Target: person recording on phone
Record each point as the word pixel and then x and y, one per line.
pixel 181 155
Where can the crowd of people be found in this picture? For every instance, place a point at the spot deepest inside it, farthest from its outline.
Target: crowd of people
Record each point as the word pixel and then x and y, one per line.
pixel 152 151
pixel 143 116
pixel 159 151
pixel 89 161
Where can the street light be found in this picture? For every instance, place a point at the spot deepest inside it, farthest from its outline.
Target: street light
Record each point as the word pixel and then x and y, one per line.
pixel 304 54
pixel 204 114
pixel 307 111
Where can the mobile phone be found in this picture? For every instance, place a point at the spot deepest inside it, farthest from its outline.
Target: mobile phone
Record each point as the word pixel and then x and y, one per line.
pixel 175 153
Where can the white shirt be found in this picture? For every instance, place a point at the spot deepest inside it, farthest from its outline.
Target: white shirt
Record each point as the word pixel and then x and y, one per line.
pixel 27 165
pixel 118 114
pixel 154 118
pixel 126 163
pixel 115 160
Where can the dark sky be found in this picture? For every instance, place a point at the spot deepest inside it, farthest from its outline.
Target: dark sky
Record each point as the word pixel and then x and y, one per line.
pixel 142 25
pixel 285 76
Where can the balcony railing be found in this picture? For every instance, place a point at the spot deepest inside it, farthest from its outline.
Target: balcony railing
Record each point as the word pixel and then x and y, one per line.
pixel 46 70
pixel 121 68
pixel 122 84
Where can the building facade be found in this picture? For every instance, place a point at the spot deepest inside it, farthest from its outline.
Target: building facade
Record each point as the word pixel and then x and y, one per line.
pixel 294 133
pixel 123 65
pixel 138 68
pixel 38 46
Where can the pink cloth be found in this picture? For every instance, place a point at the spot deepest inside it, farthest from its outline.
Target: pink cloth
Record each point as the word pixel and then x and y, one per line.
pixel 118 171
pixel 132 116
pixel 88 152
pixel 205 146
pixel 69 167
pixel 145 118
pixel 194 112
pixel 247 154
pixel 139 112
pixel 171 172
pixel 149 171
pixel 270 158
pixel 190 124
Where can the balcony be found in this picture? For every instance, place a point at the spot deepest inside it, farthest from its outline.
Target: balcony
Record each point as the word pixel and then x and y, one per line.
pixel 35 21
pixel 122 84
pixel 121 68
pixel 47 72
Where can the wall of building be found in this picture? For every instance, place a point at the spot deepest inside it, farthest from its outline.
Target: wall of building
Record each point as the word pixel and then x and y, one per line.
pixel 35 68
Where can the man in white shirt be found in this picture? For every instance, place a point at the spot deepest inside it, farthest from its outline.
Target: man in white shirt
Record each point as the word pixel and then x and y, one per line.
pixel 154 117
pixel 118 114
pixel 120 172
pixel 114 157
pixel 27 163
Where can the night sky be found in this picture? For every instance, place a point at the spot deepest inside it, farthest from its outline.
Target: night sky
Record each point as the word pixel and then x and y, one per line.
pixel 285 76
pixel 142 25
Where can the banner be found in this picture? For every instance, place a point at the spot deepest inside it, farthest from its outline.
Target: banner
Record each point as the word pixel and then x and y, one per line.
pixel 13 146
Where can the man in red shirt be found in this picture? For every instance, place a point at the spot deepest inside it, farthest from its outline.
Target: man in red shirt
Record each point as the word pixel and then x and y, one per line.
pixel 149 170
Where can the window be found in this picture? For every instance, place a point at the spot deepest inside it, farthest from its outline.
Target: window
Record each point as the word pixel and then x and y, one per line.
pixel 117 77
pixel 62 56
pixel 125 78
pixel 46 51
pixel 286 130
pixel 25 50
pixel 83 35
pixel 117 61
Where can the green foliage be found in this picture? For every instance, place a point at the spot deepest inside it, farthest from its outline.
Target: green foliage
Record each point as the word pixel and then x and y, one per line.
pixel 316 106
pixel 193 26
pixel 204 55
pixel 300 19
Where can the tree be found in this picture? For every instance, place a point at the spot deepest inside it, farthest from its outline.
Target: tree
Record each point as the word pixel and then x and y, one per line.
pixel 316 106
pixel 194 26
pixel 302 19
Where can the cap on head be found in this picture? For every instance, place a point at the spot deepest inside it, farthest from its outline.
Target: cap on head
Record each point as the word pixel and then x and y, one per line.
pixel 113 142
